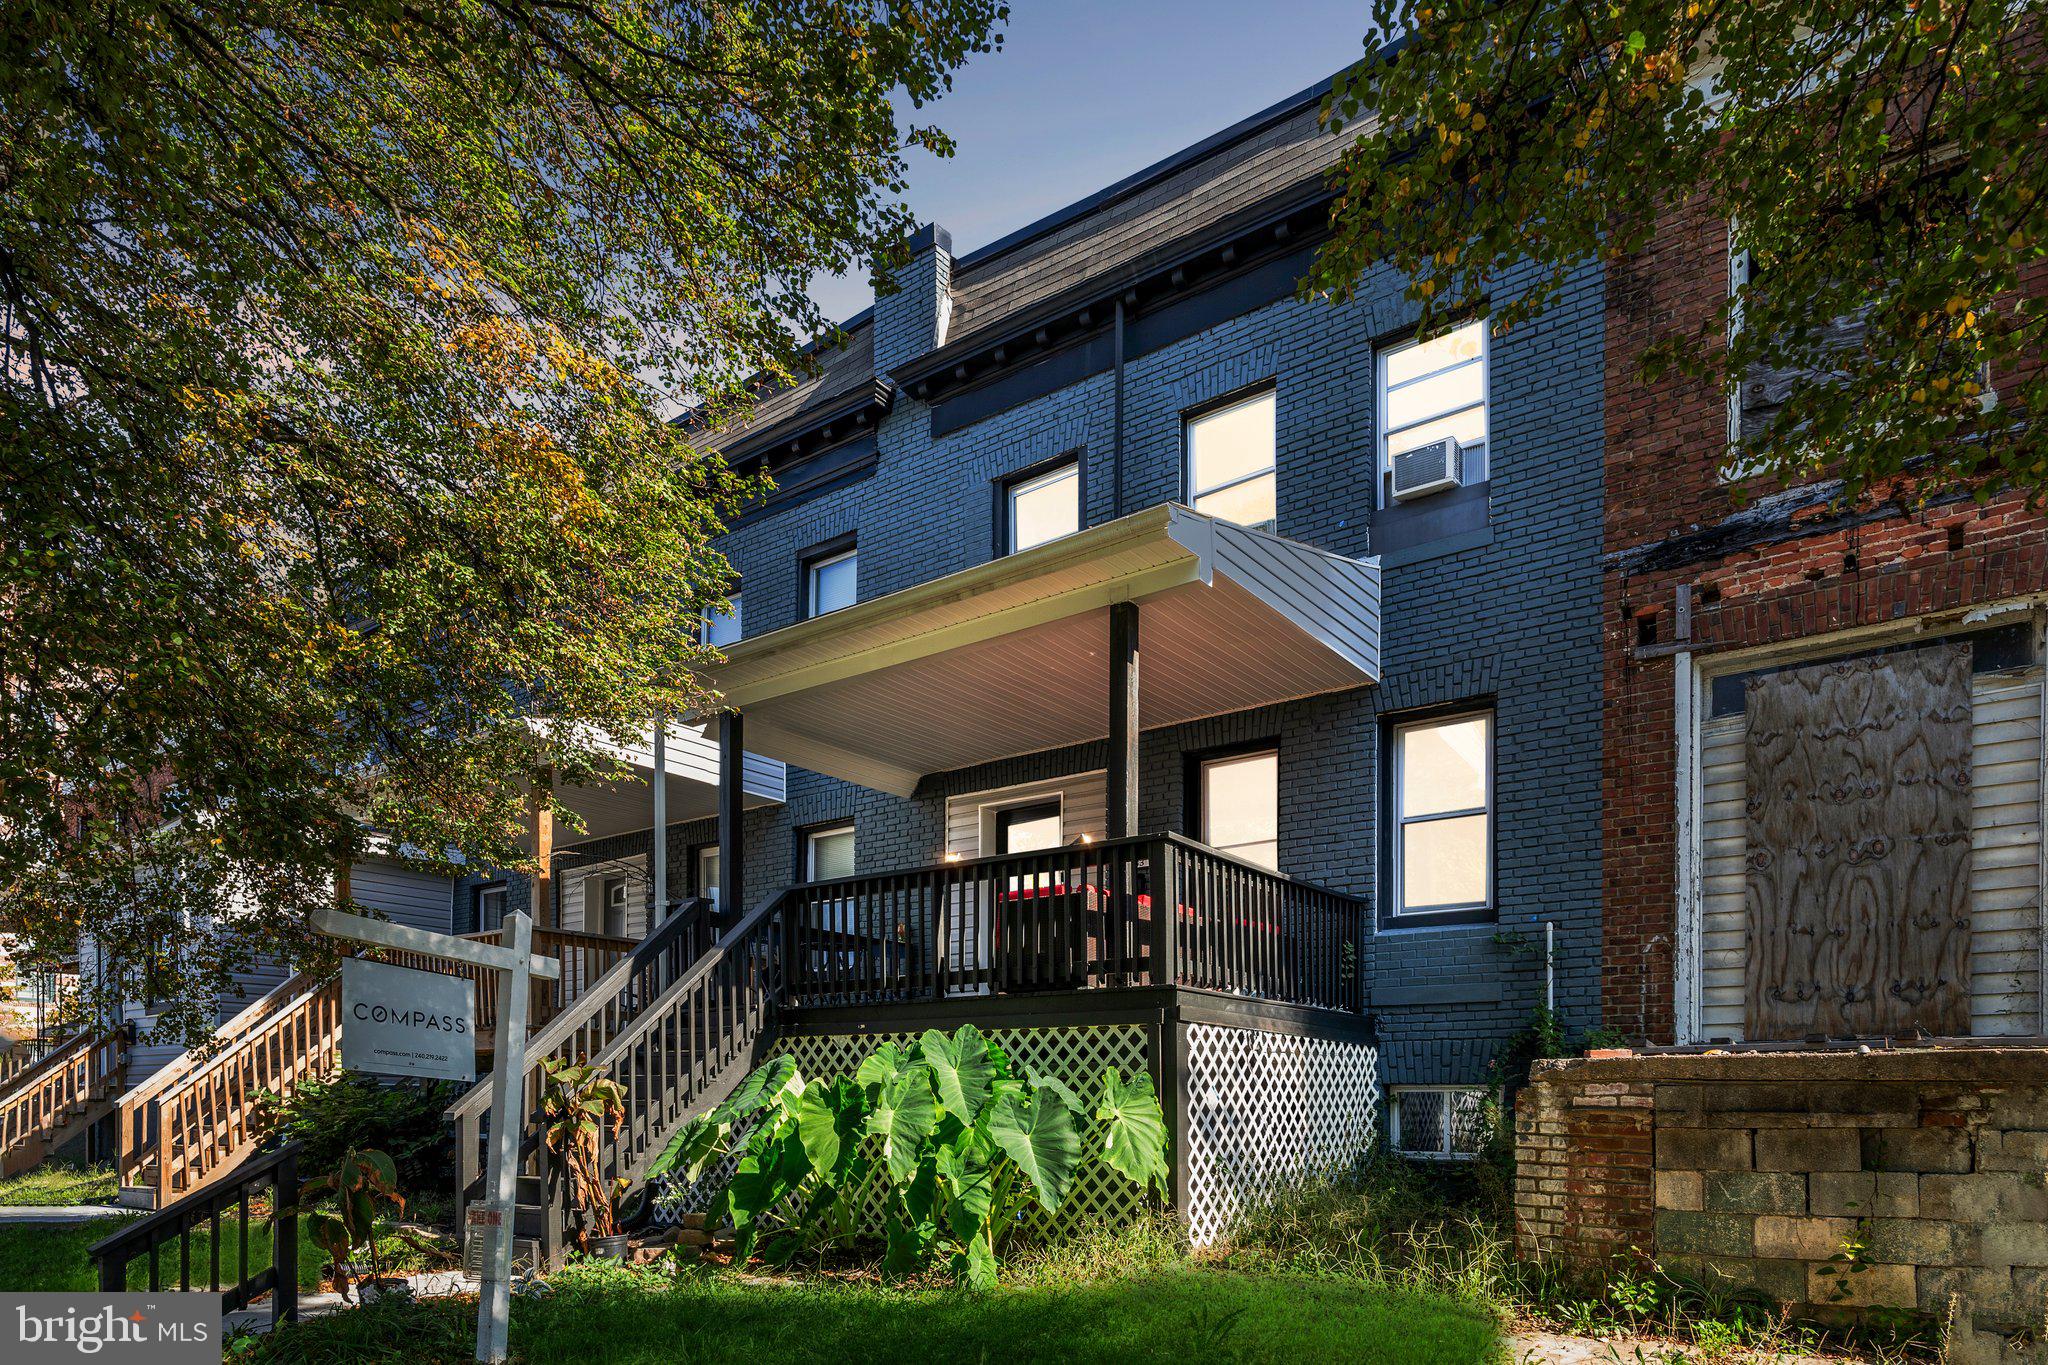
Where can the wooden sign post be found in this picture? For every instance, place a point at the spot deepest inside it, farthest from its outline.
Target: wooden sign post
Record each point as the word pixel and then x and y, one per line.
pixel 513 956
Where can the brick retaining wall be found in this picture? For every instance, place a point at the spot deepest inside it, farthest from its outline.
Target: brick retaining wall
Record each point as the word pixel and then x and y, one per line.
pixel 1760 1169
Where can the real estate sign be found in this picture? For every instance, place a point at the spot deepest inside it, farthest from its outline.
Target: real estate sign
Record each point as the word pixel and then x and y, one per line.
pixel 408 1023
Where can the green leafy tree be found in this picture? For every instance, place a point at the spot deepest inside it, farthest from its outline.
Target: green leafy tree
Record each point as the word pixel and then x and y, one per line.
pixel 1882 165
pixel 337 344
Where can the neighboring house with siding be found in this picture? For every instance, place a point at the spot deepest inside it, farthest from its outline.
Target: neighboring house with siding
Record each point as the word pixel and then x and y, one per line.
pixel 1144 348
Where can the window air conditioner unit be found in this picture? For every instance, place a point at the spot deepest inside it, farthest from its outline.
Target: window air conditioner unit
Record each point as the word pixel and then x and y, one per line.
pixel 1426 470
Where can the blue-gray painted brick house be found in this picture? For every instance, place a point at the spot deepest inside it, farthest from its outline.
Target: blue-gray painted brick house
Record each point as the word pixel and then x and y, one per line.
pixel 1180 283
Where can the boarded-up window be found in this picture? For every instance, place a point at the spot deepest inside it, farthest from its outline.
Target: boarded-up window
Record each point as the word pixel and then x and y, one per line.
pixel 1858 834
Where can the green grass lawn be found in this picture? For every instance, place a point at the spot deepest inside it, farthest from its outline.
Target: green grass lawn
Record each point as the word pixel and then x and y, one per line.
pixel 57 1183
pixel 52 1256
pixel 1187 1314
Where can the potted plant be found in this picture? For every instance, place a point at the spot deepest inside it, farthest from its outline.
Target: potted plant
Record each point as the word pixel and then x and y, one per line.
pixel 577 1105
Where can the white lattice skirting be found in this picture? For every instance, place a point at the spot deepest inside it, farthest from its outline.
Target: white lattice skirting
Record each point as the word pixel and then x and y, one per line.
pixel 1266 1107
pixel 1075 1055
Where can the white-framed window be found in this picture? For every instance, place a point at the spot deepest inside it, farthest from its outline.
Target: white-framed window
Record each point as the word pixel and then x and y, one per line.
pixel 1231 461
pixel 1042 507
pixel 722 628
pixel 1437 1122
pixel 1240 805
pixel 832 581
pixel 1430 390
pixel 490 907
pixel 828 853
pixel 707 874
pixel 1442 817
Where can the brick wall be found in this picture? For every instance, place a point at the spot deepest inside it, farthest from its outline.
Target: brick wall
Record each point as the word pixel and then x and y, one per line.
pixel 1765 566
pixel 1513 620
pixel 1759 1170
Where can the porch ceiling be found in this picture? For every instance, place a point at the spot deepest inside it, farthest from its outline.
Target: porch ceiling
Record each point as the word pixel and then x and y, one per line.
pixel 1011 657
pixel 627 804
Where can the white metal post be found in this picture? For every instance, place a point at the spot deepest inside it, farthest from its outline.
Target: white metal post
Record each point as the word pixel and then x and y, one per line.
pixel 508 1079
pixel 660 820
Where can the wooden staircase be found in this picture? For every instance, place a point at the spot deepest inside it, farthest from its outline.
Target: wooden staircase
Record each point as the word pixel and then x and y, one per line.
pixel 47 1104
pixel 678 1025
pixel 192 1122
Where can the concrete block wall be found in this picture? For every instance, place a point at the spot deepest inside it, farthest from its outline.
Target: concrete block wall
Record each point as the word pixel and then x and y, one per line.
pixel 1909 1182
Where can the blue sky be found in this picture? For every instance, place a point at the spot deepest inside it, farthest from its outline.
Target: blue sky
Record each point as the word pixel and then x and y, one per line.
pixel 1083 94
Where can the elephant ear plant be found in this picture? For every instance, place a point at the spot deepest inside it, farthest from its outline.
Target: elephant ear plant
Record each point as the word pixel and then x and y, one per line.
pixel 957 1142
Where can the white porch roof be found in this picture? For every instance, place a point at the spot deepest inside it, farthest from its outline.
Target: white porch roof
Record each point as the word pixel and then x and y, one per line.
pixel 1010 657
pixel 627 804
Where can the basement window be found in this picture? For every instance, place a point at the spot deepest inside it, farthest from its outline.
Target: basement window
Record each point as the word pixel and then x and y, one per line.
pixel 1437 1122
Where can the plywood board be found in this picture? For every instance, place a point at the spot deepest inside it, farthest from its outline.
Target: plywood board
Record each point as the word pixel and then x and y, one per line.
pixel 1857 822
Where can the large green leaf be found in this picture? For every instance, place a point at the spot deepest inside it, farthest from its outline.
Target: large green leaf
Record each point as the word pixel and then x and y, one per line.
pixel 880 1066
pixel 829 1119
pixel 1134 1129
pixel 765 1086
pixel 1038 1133
pixel 909 1242
pixel 701 1141
pixel 975 1265
pixel 905 1114
pixel 968 1186
pixel 961 1068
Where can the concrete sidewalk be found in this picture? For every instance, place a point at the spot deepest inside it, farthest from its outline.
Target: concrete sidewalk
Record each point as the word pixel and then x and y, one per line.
pixel 62 1213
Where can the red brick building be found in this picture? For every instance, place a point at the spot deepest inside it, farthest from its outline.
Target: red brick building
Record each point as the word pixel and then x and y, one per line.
pixel 1706 593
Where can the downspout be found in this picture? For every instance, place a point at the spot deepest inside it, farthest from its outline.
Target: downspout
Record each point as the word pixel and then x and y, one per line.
pixel 1116 439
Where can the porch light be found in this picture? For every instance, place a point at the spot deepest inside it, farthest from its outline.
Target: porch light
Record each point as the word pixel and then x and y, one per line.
pixel 952 857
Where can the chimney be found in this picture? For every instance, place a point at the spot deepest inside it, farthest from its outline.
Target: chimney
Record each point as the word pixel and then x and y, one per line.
pixel 912 321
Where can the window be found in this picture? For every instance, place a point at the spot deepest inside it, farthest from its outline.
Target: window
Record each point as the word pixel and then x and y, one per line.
pixel 1230 461
pixel 828 853
pixel 1041 507
pixel 831 581
pixel 490 907
pixel 1437 1122
pixel 1429 390
pixel 615 907
pixel 1027 829
pixel 707 874
pixel 1443 815
pixel 722 628
pixel 1239 805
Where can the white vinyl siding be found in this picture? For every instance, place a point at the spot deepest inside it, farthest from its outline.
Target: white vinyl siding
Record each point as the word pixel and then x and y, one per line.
pixel 2005 862
pixel 405 895
pixel 583 891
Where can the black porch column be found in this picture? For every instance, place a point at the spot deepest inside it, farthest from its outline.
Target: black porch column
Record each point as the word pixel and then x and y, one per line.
pixel 732 756
pixel 1123 720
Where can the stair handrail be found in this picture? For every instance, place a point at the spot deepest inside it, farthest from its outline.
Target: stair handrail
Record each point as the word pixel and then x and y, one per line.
pixel 761 918
pixel 27 1075
pixel 55 1082
pixel 225 1035
pixel 599 995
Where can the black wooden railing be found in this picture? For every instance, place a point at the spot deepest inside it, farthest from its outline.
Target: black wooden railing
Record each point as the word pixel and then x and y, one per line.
pixel 584 1029
pixel 1152 910
pixel 222 1210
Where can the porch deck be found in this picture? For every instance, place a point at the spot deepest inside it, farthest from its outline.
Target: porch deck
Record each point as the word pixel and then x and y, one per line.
pixel 1149 911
